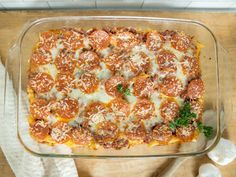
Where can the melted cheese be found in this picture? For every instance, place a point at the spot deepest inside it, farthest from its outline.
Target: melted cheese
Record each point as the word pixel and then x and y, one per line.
pixel 131 98
pixel 51 94
pixel 94 120
pixel 154 66
pixel 144 49
pixel 179 74
pixel 50 69
pixel 77 53
pixel 104 73
pixel 150 123
pixel 137 58
pixel 86 42
pixel 155 98
pixel 51 119
pixel 126 71
pixel 105 52
pixel 179 100
pixel 99 95
pixel 178 54
pixel 128 121
pixel 55 50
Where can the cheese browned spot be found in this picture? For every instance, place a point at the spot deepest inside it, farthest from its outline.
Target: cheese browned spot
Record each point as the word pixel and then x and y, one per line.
pixel 61 132
pixel 88 61
pixel 143 86
pixel 111 86
pixel 169 110
pixel 162 133
pixel 99 39
pixel 180 41
pixel 39 129
pixel 67 108
pixel 144 109
pixel 171 86
pixel 81 136
pixel 120 107
pixel 154 41
pixel 41 82
pixel 166 61
pixel 72 39
pixel 65 61
pixel 64 82
pixel 195 89
pixel 124 40
pixel 41 57
pixel 185 133
pixel 40 109
pixel 88 83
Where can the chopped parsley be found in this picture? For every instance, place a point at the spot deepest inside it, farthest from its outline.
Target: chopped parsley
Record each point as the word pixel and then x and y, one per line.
pixel 206 130
pixel 185 118
pixel 123 90
pixel 172 125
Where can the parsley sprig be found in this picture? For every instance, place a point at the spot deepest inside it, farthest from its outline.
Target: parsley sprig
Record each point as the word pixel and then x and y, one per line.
pixel 185 118
pixel 207 130
pixel 123 90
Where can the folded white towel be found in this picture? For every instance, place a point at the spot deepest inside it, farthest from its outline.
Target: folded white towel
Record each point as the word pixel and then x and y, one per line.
pixel 223 153
pixel 22 162
pixel 208 170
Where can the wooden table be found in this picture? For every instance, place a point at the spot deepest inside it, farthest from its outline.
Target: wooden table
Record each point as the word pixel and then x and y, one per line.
pixel 224 27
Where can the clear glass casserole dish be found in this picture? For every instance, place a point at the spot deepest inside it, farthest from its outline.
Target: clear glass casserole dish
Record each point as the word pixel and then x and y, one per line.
pixel 213 62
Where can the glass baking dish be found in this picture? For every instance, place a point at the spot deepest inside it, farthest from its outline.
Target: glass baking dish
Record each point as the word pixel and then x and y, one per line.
pixel 213 63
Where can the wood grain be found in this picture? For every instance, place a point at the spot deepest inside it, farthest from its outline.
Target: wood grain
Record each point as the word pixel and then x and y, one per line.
pixel 222 24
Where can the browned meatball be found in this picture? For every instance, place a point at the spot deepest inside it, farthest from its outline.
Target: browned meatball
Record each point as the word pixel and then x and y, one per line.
pixel 185 133
pixel 195 89
pixel 138 132
pixel 169 110
pixel 171 86
pixel 162 133
pixel 81 136
pixel 39 129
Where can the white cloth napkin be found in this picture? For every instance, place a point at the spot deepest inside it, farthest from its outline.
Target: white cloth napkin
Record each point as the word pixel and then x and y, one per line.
pixel 22 162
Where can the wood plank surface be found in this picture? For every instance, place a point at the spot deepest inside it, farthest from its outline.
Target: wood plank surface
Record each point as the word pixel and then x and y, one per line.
pixel 222 24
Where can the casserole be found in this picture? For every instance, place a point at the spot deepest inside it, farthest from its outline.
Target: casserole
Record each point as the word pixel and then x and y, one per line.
pixel 210 75
pixel 115 88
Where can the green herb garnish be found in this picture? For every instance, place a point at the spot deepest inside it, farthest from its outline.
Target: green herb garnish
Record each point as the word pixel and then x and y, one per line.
pixel 172 126
pixel 200 126
pixel 207 130
pixel 127 92
pixel 123 90
pixel 120 87
pixel 185 112
pixel 185 117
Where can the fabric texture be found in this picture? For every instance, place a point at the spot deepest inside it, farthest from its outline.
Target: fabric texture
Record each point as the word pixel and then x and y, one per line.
pixel 22 162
